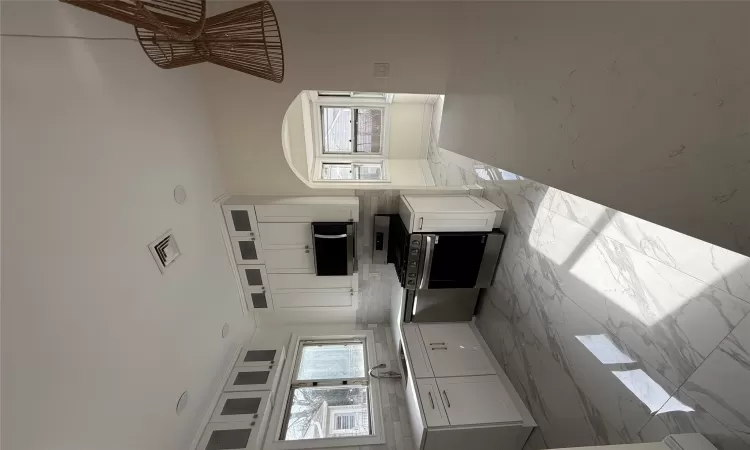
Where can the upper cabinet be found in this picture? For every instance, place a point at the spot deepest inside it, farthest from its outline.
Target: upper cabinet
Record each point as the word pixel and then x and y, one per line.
pixel 444 213
pixel 241 221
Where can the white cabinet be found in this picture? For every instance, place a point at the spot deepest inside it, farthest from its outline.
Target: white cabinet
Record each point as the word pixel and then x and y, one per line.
pixel 232 435
pixel 310 291
pixel 289 260
pixel 256 287
pixel 286 235
pixel 251 379
pixel 442 213
pixel 477 400
pixel 249 407
pixel 331 209
pixel 420 360
pixel 453 350
pixel 252 357
pixel 432 405
pixel 247 250
pixel 240 220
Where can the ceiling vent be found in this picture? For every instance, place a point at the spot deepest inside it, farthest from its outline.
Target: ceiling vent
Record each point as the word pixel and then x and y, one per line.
pixel 164 250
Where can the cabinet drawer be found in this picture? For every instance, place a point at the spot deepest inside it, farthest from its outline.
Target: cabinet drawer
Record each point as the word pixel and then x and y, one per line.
pixel 432 405
pixel 308 299
pixel 285 282
pixel 247 250
pixel 240 220
pixel 477 400
pixel 305 213
pixel 251 379
pixel 286 235
pixel 292 260
pixel 248 407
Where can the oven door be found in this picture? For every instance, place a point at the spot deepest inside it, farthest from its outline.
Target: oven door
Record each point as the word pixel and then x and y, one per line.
pixel 333 244
pixel 451 260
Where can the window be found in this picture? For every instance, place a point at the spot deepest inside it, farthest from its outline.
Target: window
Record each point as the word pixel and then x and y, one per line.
pixel 350 130
pixel 352 171
pixel 330 397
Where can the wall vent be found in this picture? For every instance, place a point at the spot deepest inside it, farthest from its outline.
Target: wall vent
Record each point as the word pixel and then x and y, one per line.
pixel 164 250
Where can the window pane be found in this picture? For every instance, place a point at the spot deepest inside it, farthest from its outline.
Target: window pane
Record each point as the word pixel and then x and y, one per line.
pixel 315 412
pixel 330 361
pixel 337 129
pixel 337 171
pixel 369 172
pixel 369 130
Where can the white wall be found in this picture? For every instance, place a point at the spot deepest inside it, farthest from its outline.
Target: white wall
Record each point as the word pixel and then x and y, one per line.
pixel 500 65
pixel 296 130
pixel 97 345
pixel 640 106
pixel 410 126
pixel 406 172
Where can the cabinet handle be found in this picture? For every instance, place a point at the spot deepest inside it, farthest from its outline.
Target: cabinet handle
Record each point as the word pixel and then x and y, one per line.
pixel 307 251
pixel 438 348
pixel 307 247
pixel 437 343
pixel 421 222
pixel 431 402
pixel 446 398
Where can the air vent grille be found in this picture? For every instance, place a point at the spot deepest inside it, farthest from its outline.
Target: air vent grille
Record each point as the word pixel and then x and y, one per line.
pixel 164 250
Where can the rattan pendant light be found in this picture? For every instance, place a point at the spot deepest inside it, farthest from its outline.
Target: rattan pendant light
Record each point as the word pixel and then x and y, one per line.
pixel 247 39
pixel 180 20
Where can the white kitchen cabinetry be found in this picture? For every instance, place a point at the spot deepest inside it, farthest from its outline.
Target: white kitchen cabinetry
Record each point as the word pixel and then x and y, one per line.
pixel 458 411
pixel 454 351
pixel 240 412
pixel 476 400
pixel 240 220
pixel 275 236
pixel 247 250
pixel 256 287
pixel 271 243
pixel 443 213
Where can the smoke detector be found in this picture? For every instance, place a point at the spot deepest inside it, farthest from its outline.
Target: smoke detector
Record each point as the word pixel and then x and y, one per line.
pixel 164 250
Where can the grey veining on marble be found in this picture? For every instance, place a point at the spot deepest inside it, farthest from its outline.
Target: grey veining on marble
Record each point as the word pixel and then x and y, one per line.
pixel 611 328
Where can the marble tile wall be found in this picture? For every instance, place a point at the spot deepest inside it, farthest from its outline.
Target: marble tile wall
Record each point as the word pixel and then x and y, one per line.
pixel 612 329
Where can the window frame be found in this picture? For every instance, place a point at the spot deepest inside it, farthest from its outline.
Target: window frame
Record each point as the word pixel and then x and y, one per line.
pixel 346 102
pixel 385 176
pixel 282 405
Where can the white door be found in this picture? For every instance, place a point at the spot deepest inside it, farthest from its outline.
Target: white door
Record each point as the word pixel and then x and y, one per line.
pixel 286 235
pixel 477 400
pixel 247 250
pixel 306 281
pixel 262 300
pixel 240 220
pixel 254 357
pixel 289 260
pixel 454 350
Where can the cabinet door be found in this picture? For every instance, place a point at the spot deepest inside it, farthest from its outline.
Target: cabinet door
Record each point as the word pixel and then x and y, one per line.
pixel 477 400
pixel 454 350
pixel 254 357
pixel 432 405
pixel 258 300
pixel 291 260
pixel 306 213
pixel 254 277
pixel 247 407
pixel 286 235
pixel 442 222
pixel 285 282
pixel 240 220
pixel 251 379
pixel 226 436
pixel 247 250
